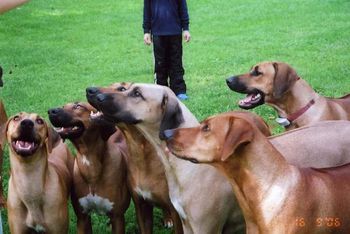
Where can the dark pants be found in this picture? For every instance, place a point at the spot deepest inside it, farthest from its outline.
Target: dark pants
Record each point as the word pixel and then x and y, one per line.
pixel 168 62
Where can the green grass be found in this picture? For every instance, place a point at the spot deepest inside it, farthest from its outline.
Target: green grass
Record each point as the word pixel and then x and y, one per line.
pixel 52 50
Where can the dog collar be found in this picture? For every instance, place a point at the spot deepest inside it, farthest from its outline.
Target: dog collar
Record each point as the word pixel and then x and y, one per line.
pixel 290 118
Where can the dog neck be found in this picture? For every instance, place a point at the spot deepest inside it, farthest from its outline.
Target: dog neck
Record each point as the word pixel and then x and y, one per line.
pixel 261 180
pixel 91 150
pixel 29 176
pixel 293 102
pixel 178 172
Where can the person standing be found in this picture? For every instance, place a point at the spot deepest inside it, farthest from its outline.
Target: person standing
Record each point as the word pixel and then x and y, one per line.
pixel 164 22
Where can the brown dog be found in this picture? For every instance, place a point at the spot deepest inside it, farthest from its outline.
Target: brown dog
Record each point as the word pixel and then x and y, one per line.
pixel 99 169
pixel 275 196
pixel 40 178
pixel 152 108
pixel 3 120
pixel 146 174
pixel 278 85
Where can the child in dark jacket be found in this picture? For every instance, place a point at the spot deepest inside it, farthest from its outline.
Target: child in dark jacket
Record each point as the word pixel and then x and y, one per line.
pixel 166 20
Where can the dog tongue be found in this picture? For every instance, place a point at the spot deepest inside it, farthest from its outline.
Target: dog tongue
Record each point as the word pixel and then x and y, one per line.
pixel 24 145
pixel 248 99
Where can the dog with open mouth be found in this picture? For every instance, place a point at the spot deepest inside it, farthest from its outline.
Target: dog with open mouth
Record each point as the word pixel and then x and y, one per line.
pixel 151 109
pixel 275 196
pixel 40 179
pixel 146 173
pixel 277 84
pixel 99 179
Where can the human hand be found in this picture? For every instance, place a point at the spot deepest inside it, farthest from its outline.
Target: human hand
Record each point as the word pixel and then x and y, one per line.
pixel 187 36
pixel 147 38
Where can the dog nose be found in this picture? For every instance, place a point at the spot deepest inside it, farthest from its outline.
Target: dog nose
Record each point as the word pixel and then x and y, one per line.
pixel 54 111
pixel 231 80
pixel 91 90
pixel 27 124
pixel 169 133
pixel 102 97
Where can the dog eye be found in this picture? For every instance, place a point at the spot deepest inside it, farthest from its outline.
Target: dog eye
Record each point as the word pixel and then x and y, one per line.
pixel 137 94
pixel 206 128
pixel 121 89
pixel 40 121
pixel 77 106
pixel 256 73
pixel 16 118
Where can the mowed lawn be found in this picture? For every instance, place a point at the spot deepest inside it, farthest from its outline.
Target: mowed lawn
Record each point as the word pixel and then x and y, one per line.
pixel 52 50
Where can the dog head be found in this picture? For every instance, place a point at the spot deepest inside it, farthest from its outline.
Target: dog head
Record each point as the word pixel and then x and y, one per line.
pixel 28 134
pixel 148 104
pixel 216 139
pixel 265 82
pixel 73 120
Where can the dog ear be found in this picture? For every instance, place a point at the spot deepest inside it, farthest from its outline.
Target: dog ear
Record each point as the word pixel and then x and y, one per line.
pixel 172 117
pixel 239 132
pixel 3 132
pixel 285 76
pixel 52 140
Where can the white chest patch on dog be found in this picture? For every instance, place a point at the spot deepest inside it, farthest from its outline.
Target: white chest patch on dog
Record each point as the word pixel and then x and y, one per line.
pixel 95 203
pixel 179 208
pixel 147 195
pixel 38 228
pixel 85 161
pixel 273 202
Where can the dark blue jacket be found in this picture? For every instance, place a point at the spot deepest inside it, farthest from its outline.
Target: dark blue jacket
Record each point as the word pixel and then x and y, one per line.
pixel 165 17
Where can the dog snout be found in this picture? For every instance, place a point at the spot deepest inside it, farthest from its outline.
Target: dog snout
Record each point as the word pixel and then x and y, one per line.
pixel 168 134
pixel 230 80
pixel 102 97
pixel 54 111
pixel 92 90
pixel 234 84
pixel 27 124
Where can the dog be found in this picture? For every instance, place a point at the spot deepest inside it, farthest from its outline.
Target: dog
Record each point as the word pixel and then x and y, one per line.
pixel 99 168
pixel 278 85
pixel 40 179
pixel 153 108
pixel 3 120
pixel 146 173
pixel 275 196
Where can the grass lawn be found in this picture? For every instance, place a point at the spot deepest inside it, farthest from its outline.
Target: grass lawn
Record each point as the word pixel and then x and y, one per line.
pixel 52 50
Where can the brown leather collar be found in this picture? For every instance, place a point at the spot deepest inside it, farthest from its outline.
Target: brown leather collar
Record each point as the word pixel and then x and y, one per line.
pixel 301 111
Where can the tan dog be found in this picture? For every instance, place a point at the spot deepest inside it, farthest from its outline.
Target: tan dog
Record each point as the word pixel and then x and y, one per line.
pixel 146 173
pixel 153 108
pixel 40 178
pixel 275 196
pixel 278 85
pixel 3 120
pixel 99 170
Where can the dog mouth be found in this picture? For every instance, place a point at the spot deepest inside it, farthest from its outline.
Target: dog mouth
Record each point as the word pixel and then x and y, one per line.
pixel 25 147
pixel 96 115
pixel 252 100
pixel 70 131
pixel 176 152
